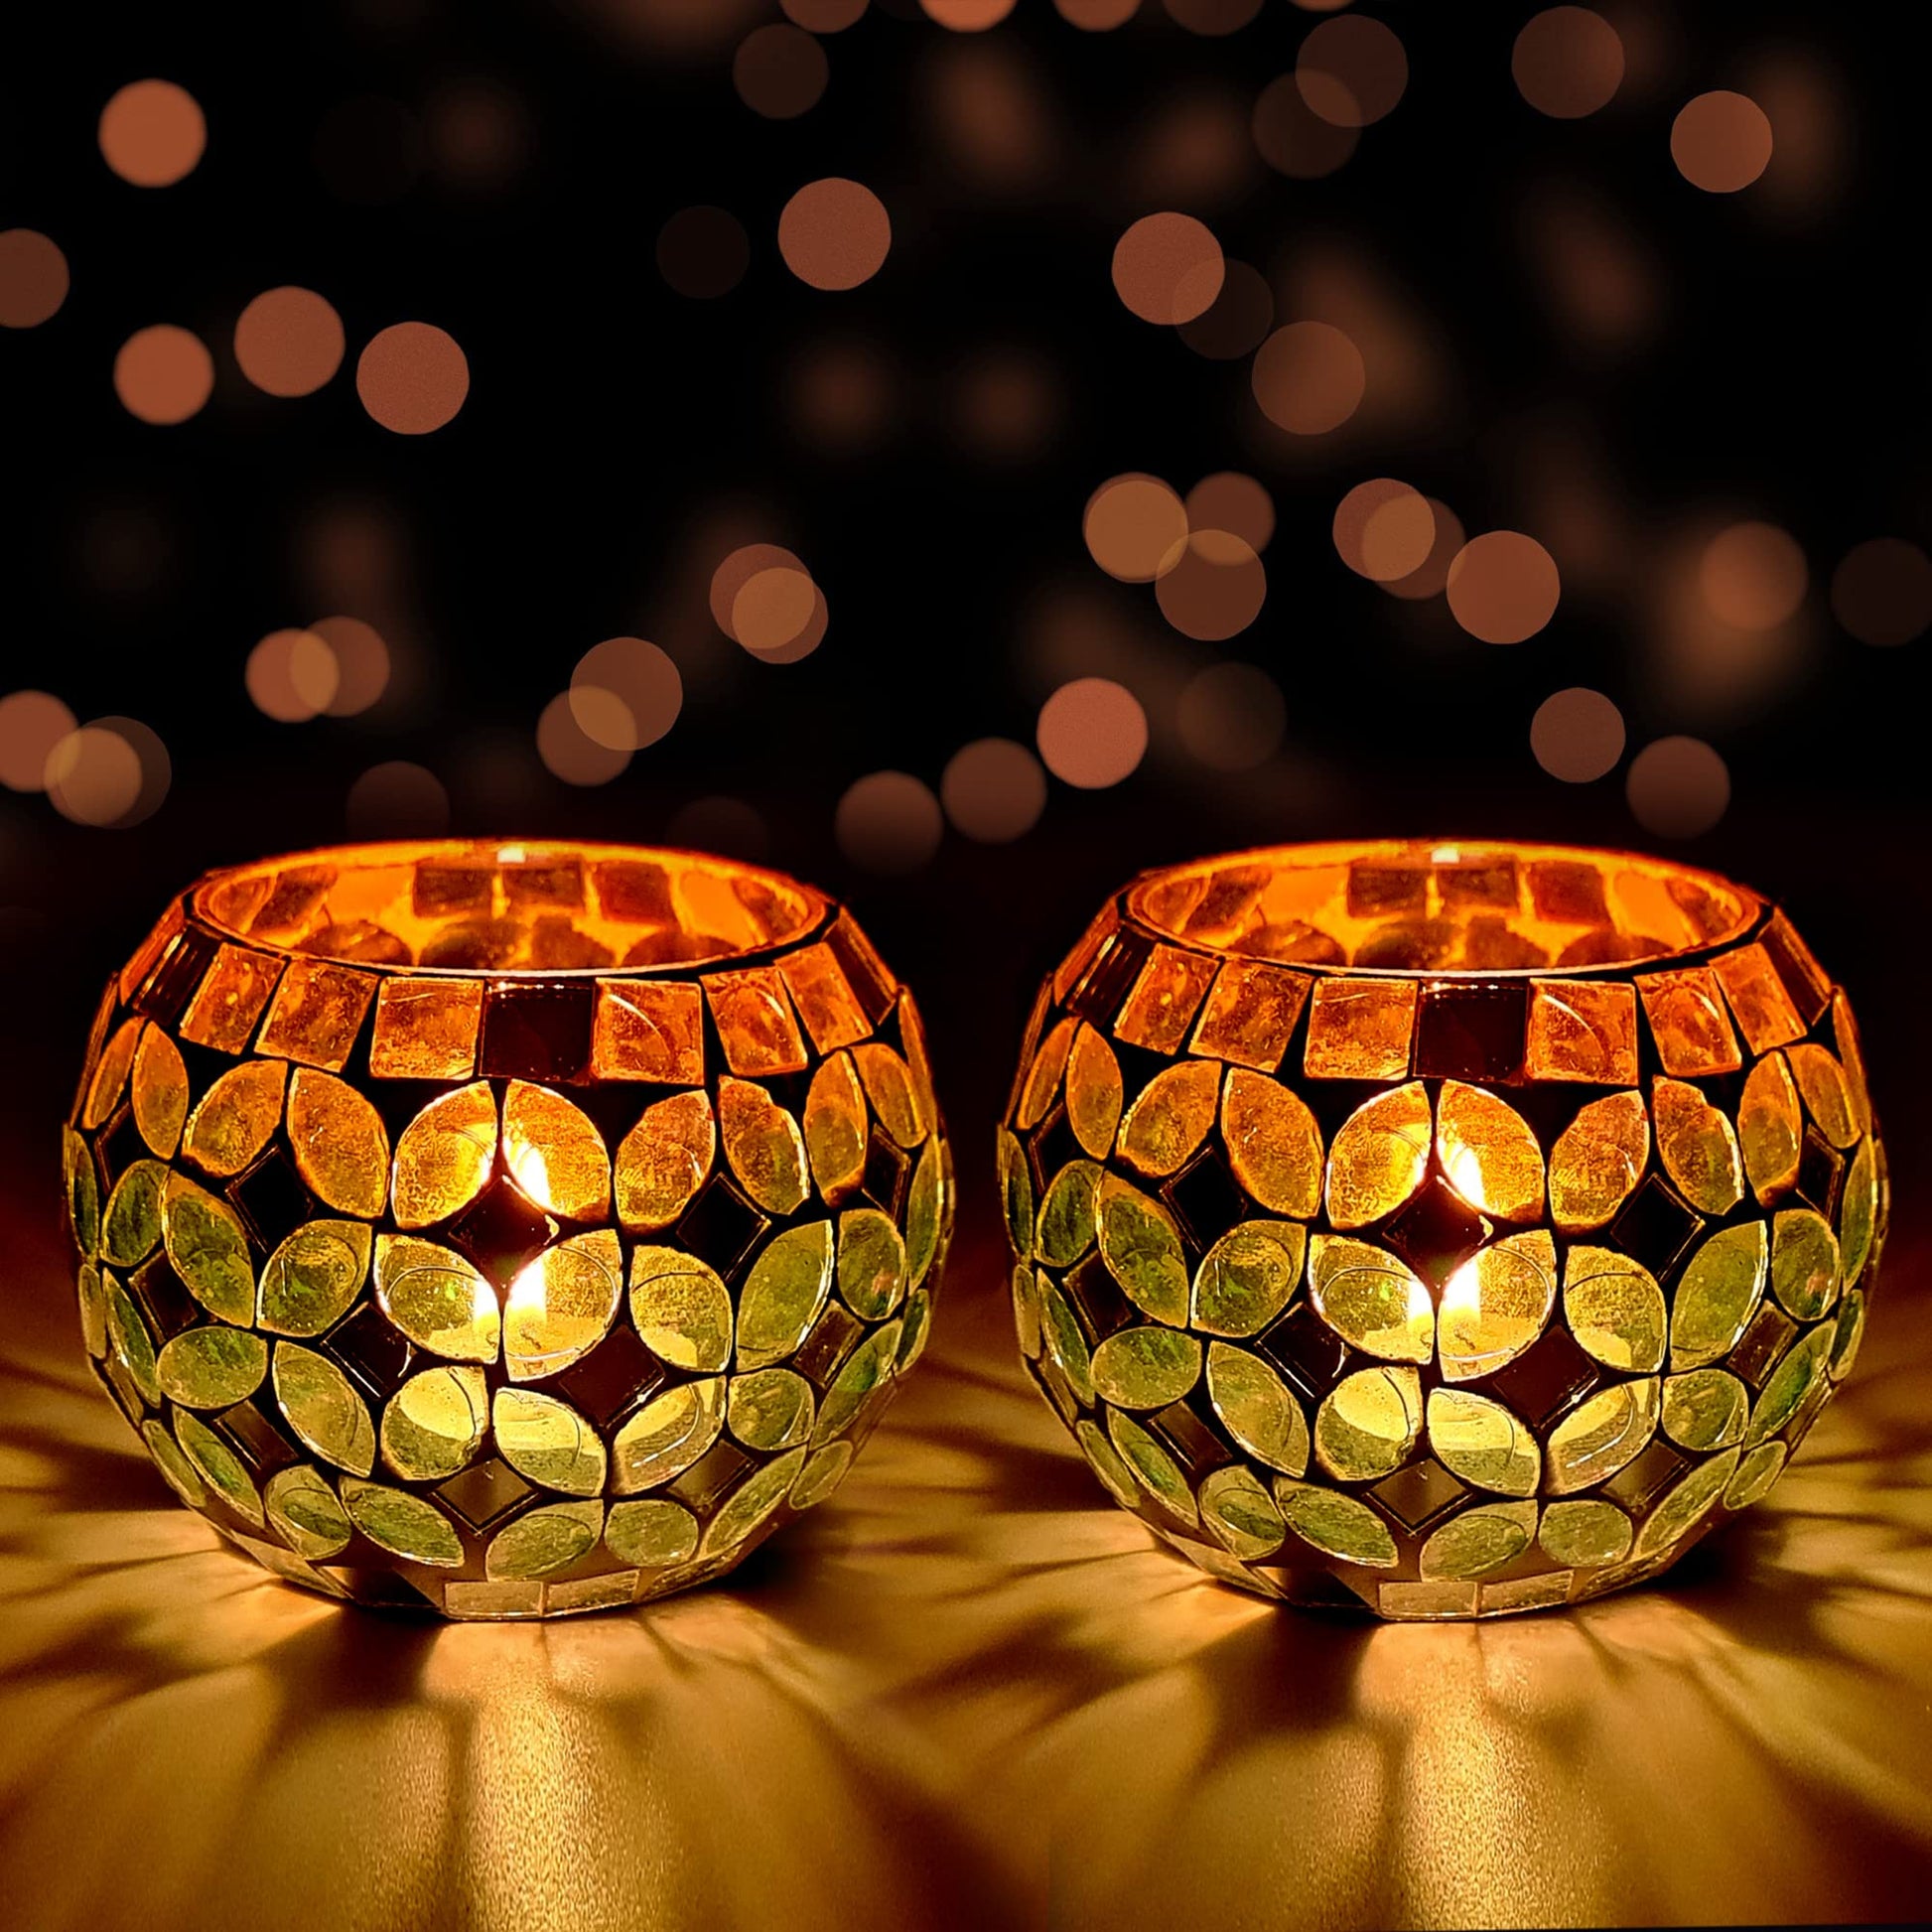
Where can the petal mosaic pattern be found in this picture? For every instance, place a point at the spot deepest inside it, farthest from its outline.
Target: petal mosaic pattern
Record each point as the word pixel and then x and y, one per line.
pixel 457 1282
pixel 1445 1290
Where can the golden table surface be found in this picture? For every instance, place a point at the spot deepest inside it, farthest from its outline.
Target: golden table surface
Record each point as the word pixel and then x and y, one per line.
pixel 967 1691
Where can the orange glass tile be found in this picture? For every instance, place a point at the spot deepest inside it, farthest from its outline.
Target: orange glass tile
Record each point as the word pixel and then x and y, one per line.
pixel 316 1012
pixel 824 999
pixel 151 948
pixel 1568 891
pixel 755 1021
pixel 870 977
pixel 230 998
pixel 1164 998
pixel 1583 1029
pixel 1361 1029
pixel 426 1029
pixel 648 1029
pixel 1072 968
pixel 1757 996
pixel 1804 979
pixel 293 896
pixel 1688 1022
pixel 1250 1015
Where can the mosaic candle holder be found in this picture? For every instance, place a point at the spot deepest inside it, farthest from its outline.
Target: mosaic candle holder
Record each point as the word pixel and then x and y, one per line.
pixel 504 1230
pixel 1449 1230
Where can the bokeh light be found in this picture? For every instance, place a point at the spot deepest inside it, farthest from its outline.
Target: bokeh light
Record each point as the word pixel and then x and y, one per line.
pixel 779 71
pixel 1503 587
pixel 1576 735
pixel 703 252
pixel 646 681
pixel 1233 502
pixel 994 790
pixel 363 666
pixel 968 15
pixel 289 341
pixel 1353 72
pixel 889 823
pixel 1096 16
pixel 93 775
pixel 1236 321
pixel 720 824
pixel 34 278
pixel 32 723
pixel 1568 61
pixel 1752 576
pixel 840 396
pixel 1215 589
pixel 1431 578
pixel 1167 268
pixel 292 676
pixel 164 374
pixel 834 233
pixel 1091 733
pixel 157 768
pixel 1293 138
pixel 397 800
pixel 1882 592
pixel 1720 142
pixel 569 752
pixel 823 17
pixel 1212 17
pixel 764 598
pixel 1231 717
pixel 478 133
pixel 1384 529
pixel 1678 787
pixel 1309 378
pixel 412 377
pixel 1135 527
pixel 1005 405
pixel 153 133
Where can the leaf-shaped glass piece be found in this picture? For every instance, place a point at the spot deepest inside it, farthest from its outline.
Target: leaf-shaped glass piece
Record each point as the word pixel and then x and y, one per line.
pixel 306 1513
pixel 926 1209
pixel 546 1441
pixel 445 1155
pixel 217 1465
pixel 1588 1531
pixel 867 1368
pixel 1857 1212
pixel 1848 1330
pixel 871 1264
pixel 1141 1246
pixel 763 1143
pixel 1248 1277
pixel 130 1342
pixel 1828 1097
pixel 177 1472
pixel 1015 1194
pixel 80 1190
pixel 1043 1080
pixel 835 1127
pixel 1705 1409
pixel 653 1533
pixel 663 1160
pixel 433 1425
pixel 770 1409
pixel 1156 1472
pixel 231 1122
pixel 434 1296
pixel 1379 1155
pixel 159 1092
pixel 132 1224
pixel 1105 1461
pixel 1065 1341
pixel 1757 1469
pixel 1685 1506
pixel 752 1506
pixel 1790 1383
pixel 313 1276
pixel 322 1408
pixel 1477 1542
pixel 543 1540
pixel 410 1527
pixel 207 1250
pixel 783 1293
pixel 1600 1435
pixel 92 1293
pixel 1146 1368
pixel 1488 1151
pixel 341 1148
pixel 825 1468
pixel 1029 1283
pixel 1366 1424
pixel 1335 1524
pixel 555 1153
pixel 1093 1092
pixel 888 1086
pixel 1696 1144
pixel 1066 1216
pixel 1804 1262
pixel 1241 1514
pixel 1770 1128
pixel 1478 1439
pixel 560 1304
pixel 1497 1303
pixel 1614 1309
pixel 1171 1117
pixel 915 1329
pixel 111 1073
pixel 667 1434
pixel 1716 1293
pixel 681 1308
pixel 1370 1299
pixel 1597 1161
pixel 1850 1055
pixel 212 1367
pixel 1273 1143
